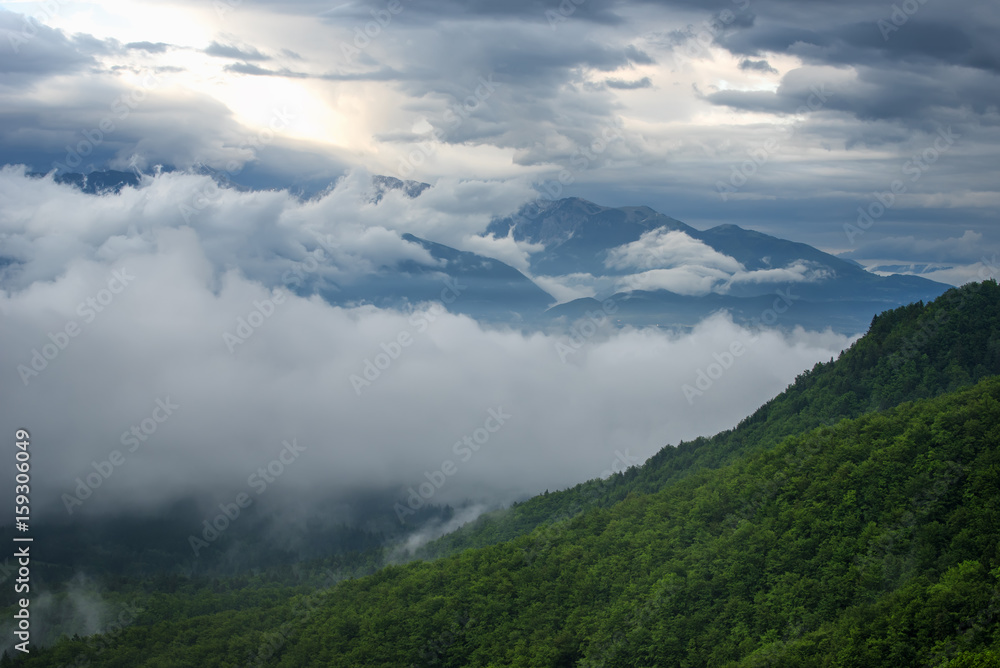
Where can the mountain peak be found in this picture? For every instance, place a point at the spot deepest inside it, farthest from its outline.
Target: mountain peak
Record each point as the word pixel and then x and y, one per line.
pixel 383 184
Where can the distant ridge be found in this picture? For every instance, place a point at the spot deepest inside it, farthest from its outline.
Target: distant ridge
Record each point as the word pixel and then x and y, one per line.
pixel 723 268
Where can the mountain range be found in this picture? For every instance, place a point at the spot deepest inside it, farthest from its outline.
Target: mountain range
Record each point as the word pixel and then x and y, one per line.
pixel 660 271
pixel 655 270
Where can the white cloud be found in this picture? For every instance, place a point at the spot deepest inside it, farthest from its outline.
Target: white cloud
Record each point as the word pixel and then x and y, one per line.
pixel 506 249
pixel 668 249
pixel 681 264
pixel 571 286
pixel 799 271
pixel 162 336
pixel 693 280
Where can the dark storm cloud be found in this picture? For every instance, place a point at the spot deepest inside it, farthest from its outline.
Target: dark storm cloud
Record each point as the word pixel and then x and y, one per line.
pixel 917 95
pixel 622 84
pixel 537 98
pixel 104 122
pixel 951 39
pixel 149 47
pixel 928 26
pixel 910 64
pixel 757 66
pixel 30 50
pixel 904 62
pixel 527 59
pixel 769 37
pixel 539 11
pixel 254 70
pixel 122 113
pixel 638 56
pixel 916 41
pixel 235 52
pixel 384 74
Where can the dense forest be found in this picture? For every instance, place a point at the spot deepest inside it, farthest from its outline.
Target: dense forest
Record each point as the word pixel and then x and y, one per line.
pixel 850 521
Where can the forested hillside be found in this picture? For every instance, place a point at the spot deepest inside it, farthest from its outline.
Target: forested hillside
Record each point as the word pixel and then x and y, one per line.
pixel 851 521
pixel 913 352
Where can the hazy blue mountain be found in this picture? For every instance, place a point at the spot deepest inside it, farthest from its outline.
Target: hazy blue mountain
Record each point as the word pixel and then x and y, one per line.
pixel 581 238
pixel 461 281
pixel 96 183
pixel 577 234
pixel 822 290
pixel 383 184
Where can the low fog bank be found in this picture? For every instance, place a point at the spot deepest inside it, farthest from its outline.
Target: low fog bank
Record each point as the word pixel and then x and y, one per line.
pixel 155 358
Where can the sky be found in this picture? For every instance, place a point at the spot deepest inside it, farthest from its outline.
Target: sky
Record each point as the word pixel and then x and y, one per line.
pixel 865 129
pixel 781 116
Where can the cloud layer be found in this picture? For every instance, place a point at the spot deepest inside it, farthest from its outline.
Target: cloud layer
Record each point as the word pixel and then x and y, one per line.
pixel 136 315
